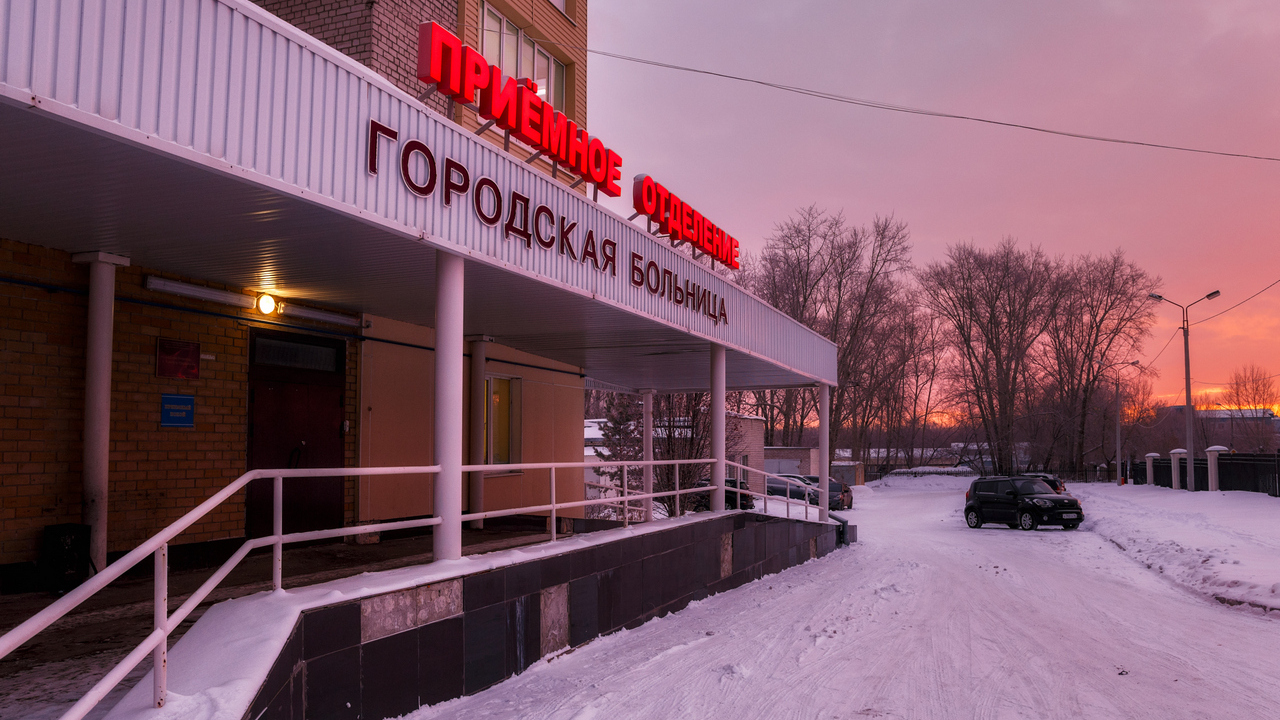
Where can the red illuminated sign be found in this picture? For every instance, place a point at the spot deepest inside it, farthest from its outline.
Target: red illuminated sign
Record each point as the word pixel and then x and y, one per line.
pixel 461 72
pixel 679 220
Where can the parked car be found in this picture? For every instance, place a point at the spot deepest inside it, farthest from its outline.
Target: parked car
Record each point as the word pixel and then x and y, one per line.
pixel 1051 480
pixel 701 502
pixel 839 496
pixel 794 490
pixel 1020 502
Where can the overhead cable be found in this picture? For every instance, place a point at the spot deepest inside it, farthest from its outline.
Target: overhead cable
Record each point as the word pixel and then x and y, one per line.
pixel 878 105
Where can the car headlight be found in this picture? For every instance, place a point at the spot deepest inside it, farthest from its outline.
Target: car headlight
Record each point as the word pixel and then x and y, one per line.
pixel 1043 503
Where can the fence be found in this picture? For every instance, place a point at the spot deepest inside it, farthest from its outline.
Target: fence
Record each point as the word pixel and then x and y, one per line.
pixel 156 643
pixel 1247 472
pixel 1250 472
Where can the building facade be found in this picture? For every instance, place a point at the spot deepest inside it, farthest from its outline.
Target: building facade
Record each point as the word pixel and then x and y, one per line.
pixel 240 237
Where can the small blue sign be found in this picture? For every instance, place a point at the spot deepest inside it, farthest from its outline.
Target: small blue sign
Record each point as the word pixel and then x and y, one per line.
pixel 177 410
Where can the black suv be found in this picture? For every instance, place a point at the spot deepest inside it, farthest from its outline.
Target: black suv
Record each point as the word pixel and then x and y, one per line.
pixel 1020 502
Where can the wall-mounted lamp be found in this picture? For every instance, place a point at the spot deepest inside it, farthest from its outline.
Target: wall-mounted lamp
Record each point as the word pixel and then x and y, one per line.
pixel 265 303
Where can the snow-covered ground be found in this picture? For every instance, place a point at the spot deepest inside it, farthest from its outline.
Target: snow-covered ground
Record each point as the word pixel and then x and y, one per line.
pixel 926 618
pixel 1223 545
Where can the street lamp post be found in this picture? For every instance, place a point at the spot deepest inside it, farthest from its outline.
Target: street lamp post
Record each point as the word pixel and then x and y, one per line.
pixel 1186 356
pixel 1119 407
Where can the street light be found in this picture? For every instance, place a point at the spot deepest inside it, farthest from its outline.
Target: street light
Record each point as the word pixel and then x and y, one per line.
pixel 1119 441
pixel 1186 355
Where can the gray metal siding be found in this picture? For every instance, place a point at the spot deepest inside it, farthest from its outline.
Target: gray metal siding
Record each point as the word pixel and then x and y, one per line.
pixel 224 84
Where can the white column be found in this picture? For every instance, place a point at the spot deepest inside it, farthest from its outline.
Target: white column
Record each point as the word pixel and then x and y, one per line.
pixel 1174 456
pixel 97 397
pixel 1151 468
pixel 479 406
pixel 648 453
pixel 824 450
pixel 717 427
pixel 1212 452
pixel 448 416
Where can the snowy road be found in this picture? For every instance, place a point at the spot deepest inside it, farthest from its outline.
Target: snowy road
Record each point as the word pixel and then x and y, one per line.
pixel 924 618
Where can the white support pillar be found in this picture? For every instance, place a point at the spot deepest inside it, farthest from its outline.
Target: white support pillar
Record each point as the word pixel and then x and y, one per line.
pixel 1174 457
pixel 824 450
pixel 448 416
pixel 1212 452
pixel 648 453
pixel 1151 467
pixel 717 426
pixel 97 397
pixel 479 408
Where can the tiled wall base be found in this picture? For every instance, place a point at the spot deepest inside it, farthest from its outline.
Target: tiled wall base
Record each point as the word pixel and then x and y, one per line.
pixel 387 655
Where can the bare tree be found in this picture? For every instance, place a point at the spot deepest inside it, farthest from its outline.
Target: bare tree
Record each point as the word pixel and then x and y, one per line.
pixel 997 304
pixel 841 281
pixel 1250 393
pixel 1104 315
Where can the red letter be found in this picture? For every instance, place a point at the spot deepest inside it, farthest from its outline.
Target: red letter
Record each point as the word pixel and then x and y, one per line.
pixel 529 109
pixel 575 153
pixel 644 196
pixel 612 172
pixel 555 132
pixel 475 74
pixel 596 168
pixel 439 58
pixel 498 100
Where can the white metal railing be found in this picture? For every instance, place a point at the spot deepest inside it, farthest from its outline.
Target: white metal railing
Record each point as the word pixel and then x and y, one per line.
pixel 156 643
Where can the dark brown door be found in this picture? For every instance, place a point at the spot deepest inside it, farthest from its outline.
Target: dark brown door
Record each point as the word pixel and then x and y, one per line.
pixel 295 421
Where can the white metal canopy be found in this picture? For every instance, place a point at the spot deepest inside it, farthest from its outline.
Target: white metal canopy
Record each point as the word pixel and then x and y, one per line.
pixel 209 139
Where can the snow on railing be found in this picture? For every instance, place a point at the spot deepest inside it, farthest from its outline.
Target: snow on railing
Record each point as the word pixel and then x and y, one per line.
pixel 157 546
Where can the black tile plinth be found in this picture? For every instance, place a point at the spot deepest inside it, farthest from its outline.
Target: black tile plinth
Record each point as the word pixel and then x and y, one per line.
pixel 484 647
pixel 324 672
pixel 487 588
pixel 583 606
pixel 333 686
pixel 440 661
pixel 389 676
pixel 326 630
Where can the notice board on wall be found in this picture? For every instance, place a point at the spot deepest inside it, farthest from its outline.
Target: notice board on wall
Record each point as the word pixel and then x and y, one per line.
pixel 177 359
pixel 177 411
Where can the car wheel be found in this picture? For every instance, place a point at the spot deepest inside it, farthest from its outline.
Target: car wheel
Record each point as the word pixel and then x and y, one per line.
pixel 1070 526
pixel 1027 521
pixel 973 518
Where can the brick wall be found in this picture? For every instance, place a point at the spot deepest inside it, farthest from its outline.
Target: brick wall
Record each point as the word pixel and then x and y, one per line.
pixel 156 474
pixel 41 395
pixel 381 35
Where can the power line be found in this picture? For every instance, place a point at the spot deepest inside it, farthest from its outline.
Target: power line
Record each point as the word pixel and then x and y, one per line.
pixel 1233 307
pixel 878 105
pixel 1152 361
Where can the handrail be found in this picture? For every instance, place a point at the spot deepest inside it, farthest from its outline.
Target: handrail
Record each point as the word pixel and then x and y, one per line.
pixel 157 641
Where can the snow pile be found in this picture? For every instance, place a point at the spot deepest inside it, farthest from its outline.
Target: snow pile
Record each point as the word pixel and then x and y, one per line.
pixel 924 482
pixel 1225 545
pixel 962 470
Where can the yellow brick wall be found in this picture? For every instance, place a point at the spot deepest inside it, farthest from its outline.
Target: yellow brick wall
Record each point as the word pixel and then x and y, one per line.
pixel 156 474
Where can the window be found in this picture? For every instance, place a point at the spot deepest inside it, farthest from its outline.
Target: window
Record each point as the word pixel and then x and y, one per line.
pixel 502 421
pixel 560 5
pixel 504 45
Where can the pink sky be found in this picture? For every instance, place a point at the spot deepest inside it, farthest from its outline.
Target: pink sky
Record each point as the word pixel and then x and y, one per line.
pixel 1201 74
